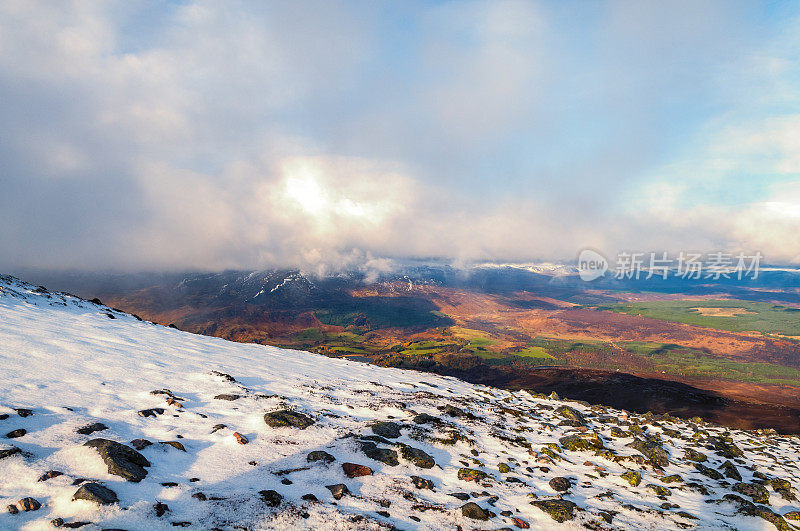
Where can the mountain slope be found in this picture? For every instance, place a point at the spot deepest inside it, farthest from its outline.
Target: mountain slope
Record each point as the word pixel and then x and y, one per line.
pixel 516 459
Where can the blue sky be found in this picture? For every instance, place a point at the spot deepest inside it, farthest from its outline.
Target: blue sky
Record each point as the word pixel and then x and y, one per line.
pixel 166 135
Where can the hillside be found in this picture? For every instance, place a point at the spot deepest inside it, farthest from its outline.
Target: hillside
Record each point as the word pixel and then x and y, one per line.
pixel 168 429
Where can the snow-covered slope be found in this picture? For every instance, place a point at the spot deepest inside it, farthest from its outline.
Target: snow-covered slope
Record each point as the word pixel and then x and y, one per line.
pixel 444 452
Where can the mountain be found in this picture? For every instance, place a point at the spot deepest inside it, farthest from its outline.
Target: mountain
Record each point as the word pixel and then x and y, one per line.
pixel 113 421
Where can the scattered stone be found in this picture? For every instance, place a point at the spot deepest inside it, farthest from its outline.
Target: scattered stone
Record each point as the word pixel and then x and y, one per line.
pixel 659 490
pixel 241 439
pixel 730 471
pixel 422 483
pixel 8 452
pixel 417 456
pixel 140 444
pixel 424 418
pixel 15 434
pixel 503 468
pixel 199 496
pixel 474 511
pixel 758 493
pixel 559 510
pixel 29 504
pixel 309 497
pixel 91 428
pixel 96 493
pixel 390 430
pixel 726 448
pixel 672 478
pixel 470 474
pixel 584 441
pixel 23 412
pixel 12 509
pixel 571 414
pixel 175 444
pixel 454 411
pixel 353 470
pixel 120 459
pixel 151 412
pixel 320 455
pixel 229 398
pixel 271 498
pixel 652 450
pixel 560 484
pixel 338 491
pixel 226 377
pixel 463 496
pixel 708 471
pixel 218 427
pixel 161 509
pixel 694 455
pixel 50 474
pixel 287 418
pixel 384 455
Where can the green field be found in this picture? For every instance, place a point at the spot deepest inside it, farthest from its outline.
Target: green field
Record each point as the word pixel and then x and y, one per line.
pixel 756 316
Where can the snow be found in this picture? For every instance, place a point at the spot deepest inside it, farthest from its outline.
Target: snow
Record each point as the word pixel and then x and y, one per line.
pixel 73 364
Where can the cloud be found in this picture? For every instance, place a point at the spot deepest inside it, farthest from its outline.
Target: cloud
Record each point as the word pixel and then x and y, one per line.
pixel 211 135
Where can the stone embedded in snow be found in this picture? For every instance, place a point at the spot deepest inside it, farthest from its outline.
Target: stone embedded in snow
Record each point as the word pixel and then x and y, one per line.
pixel 8 452
pixel 353 470
pixel 29 504
pixel 287 418
pixel 241 439
pixel 320 455
pixel 339 490
pixel 693 455
pixel 175 444
pixel 422 483
pixel 726 447
pixel 384 455
pixel 271 498
pixel 454 411
pixel 582 441
pixel 161 509
pixel 229 398
pixel 424 418
pixel 23 412
pixel 470 474
pixel 417 456
pixel 633 477
pixel 571 413
pixel 730 471
pixel 758 493
pixel 91 428
pixel 474 511
pixel 140 444
pixel 652 450
pixel 96 493
pixel 559 510
pixel 50 475
pixel 390 430
pixel 15 434
pixel 120 459
pixel 560 484
pixel 152 412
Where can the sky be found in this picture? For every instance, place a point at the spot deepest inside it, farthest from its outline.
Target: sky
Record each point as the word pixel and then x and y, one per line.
pixel 325 135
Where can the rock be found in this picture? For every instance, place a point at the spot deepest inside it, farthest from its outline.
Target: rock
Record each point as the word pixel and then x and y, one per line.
pixel 353 470
pixel 200 496
pixel 424 418
pixel 792 515
pixel 560 484
pixel 218 427
pixel 15 434
pixel 309 497
pixel 390 430
pixel 120 459
pixel 571 414
pixel 422 483
pixel 175 444
pixel 29 504
pixel 730 470
pixel 91 428
pixel 241 439
pixel 320 455
pixel 140 444
pixel 632 477
pixel 454 411
pixel 470 474
pixel 694 455
pixel 707 471
pixel 339 490
pixel 152 412
pixel 474 511
pixel 12 509
pixel 50 474
pixel 520 523
pixel 287 418
pixel 503 468
pixel 463 496
pixel 672 478
pixel 417 456
pixel 226 377
pixel 782 487
pixel 271 498
pixel 652 450
pixel 384 455
pixel 559 510
pixel 758 493
pixel 23 412
pixel 96 493
pixel 659 490
pixel 57 522
pixel 229 398
pixel 584 441
pixel 8 452
pixel 161 509
pixel 726 448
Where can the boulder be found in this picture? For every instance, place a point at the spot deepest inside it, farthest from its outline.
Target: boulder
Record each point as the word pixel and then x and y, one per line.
pixel 121 460
pixel 287 418
pixel 271 498
pixel 91 428
pixel 559 510
pixel 384 455
pixel 353 470
pixel 29 504
pixel 338 491
pixel 474 511
pixel 96 493
pixel 390 430
pixel 320 455
pixel 417 456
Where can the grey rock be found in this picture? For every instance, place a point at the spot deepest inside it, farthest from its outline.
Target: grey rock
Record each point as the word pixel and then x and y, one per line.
pixel 96 493
pixel 121 460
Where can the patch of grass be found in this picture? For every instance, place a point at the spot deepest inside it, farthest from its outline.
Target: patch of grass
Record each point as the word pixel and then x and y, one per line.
pixel 760 317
